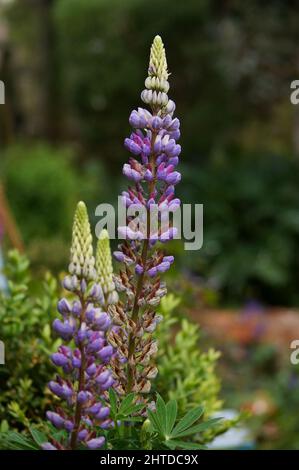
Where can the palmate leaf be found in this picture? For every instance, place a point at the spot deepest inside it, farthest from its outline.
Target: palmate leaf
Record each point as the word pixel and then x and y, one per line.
pixel 170 435
pixel 188 420
pixel 197 428
pixel 16 441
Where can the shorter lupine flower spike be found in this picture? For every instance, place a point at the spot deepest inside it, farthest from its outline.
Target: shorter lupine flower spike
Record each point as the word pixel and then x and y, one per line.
pixel 104 268
pixel 85 361
pixel 82 262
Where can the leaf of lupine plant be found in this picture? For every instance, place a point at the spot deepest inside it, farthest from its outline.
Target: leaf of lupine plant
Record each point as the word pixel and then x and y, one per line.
pixel 15 441
pixel 188 420
pixel 152 416
pixel 113 401
pixel 171 414
pixel 38 436
pixel 130 410
pixel 135 419
pixel 197 428
pixel 161 414
pixel 126 403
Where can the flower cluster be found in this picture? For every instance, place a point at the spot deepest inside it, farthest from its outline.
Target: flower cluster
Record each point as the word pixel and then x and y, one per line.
pixel 152 171
pixel 85 359
pixel 104 269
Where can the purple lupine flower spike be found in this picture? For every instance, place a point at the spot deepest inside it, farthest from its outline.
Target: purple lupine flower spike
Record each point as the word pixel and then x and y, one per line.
pixel 152 172
pixel 84 325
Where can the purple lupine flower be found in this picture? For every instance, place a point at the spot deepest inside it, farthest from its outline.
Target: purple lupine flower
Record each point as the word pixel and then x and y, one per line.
pixel 95 443
pixel 59 359
pixel 85 323
pixel 152 168
pixel 48 446
pixel 55 419
pixel 64 329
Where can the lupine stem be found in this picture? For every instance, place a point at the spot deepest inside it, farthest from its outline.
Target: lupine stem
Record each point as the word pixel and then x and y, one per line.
pixel 131 347
pixel 81 386
pixel 144 255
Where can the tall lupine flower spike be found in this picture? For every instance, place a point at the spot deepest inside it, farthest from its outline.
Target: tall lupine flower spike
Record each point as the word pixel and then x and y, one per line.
pixel 104 268
pixel 85 359
pixel 151 170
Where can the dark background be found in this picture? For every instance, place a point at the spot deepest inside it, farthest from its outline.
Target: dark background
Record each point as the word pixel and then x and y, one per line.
pixel 74 70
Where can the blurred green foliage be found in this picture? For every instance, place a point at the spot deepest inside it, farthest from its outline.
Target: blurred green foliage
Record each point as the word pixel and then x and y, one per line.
pixel 186 374
pixel 251 226
pixel 26 332
pixel 43 186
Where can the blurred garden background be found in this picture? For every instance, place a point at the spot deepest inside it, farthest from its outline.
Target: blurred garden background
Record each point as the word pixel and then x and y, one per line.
pixel 73 70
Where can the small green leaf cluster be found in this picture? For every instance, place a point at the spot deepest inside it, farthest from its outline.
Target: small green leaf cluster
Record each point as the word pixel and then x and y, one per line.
pixel 177 434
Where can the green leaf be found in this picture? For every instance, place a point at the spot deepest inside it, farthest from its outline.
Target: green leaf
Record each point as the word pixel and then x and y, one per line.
pixel 171 414
pixel 113 401
pixel 38 436
pixel 173 444
pixel 198 428
pixel 188 420
pixel 126 404
pixel 133 409
pixel 152 416
pixel 135 419
pixel 161 414
pixel 16 441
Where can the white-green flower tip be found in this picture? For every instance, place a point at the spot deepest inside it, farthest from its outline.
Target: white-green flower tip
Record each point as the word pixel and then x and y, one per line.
pixel 158 63
pixel 156 83
pixel 104 268
pixel 82 260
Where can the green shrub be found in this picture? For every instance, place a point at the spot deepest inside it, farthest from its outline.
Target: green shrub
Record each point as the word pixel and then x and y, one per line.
pixel 25 330
pixel 41 187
